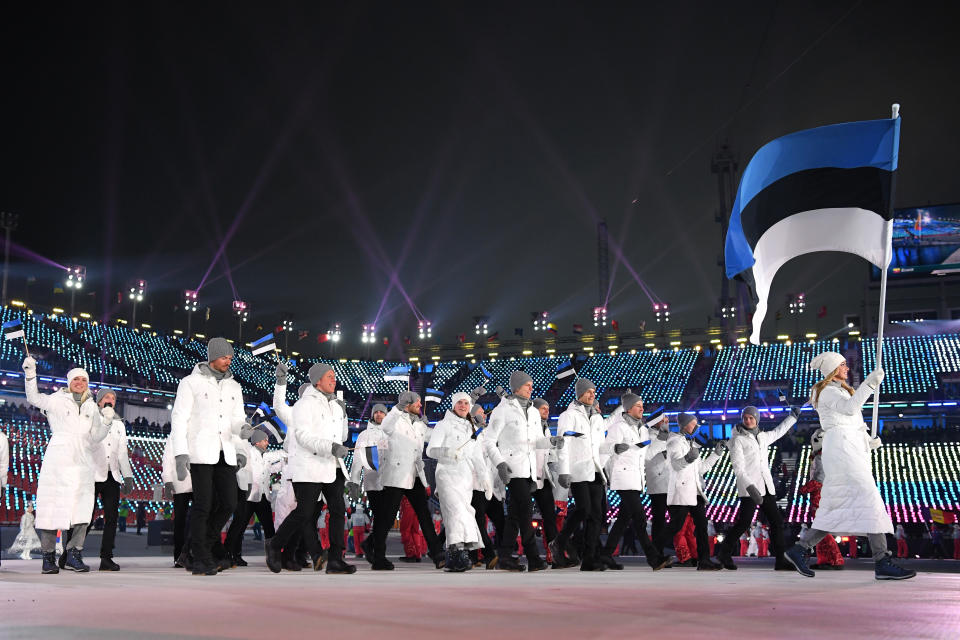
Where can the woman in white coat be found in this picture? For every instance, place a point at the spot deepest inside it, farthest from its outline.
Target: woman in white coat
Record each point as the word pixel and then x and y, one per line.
pixel 65 487
pixel 459 463
pixel 850 503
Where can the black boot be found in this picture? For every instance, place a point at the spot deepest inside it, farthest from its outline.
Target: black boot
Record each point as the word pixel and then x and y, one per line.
pixel 535 563
pixel 509 563
pixel 186 559
pixel 367 547
pixel 107 564
pixel 320 561
pixel 274 561
pixel 707 565
pixel 465 561
pixel 592 564
pixel 726 560
pixel 572 555
pixel 205 568
pixel 452 561
pixel 381 564
pixel 559 557
pixel 74 561
pixel 238 560
pixel 607 559
pixel 337 565
pixel 50 563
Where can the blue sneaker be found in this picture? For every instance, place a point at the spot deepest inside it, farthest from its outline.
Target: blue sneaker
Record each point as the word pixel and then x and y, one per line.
pixel 797 556
pixel 885 569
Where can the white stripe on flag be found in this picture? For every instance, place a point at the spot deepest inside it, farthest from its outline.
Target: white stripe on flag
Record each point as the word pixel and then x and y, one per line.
pixel 14 334
pixel 563 374
pixel 270 346
pixel 850 230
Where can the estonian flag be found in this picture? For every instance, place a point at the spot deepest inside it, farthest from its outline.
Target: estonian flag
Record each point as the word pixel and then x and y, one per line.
pixel 433 395
pixel 264 345
pixel 400 373
pixel 655 417
pixel 572 434
pixel 565 369
pixel 13 329
pixel 371 458
pixel 823 189
pixel 476 432
pixel 270 422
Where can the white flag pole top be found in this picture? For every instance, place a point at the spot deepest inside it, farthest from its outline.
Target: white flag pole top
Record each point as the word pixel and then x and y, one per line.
pixel 887 255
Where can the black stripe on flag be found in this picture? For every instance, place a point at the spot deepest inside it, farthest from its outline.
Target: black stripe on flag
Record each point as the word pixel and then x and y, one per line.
pixel 864 188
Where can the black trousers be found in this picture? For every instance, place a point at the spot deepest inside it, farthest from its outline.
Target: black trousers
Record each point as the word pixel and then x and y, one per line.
pixel 589 498
pixel 631 512
pixel 658 513
pixel 495 512
pixel 520 519
pixel 544 499
pixel 241 518
pixel 390 498
pixel 214 501
pixel 181 513
pixel 109 492
pixel 678 513
pixel 479 504
pixel 303 519
pixel 747 509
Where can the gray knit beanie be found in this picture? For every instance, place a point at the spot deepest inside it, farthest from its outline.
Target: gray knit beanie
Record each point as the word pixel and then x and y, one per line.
pixel 103 392
pixel 406 399
pixel 378 407
pixel 218 348
pixel 540 402
pixel 583 385
pixel 750 411
pixel 317 371
pixel 257 436
pixel 518 379
pixel 629 399
pixel 684 419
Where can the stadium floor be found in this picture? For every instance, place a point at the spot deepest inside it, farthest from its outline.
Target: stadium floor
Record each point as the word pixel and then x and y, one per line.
pixel 148 599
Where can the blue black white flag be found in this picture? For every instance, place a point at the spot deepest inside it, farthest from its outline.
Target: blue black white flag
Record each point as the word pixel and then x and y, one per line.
pixel 264 345
pixel 13 329
pixel 823 189
pixel 655 417
pixel 400 373
pixel 565 369
pixel 433 395
pixel 269 422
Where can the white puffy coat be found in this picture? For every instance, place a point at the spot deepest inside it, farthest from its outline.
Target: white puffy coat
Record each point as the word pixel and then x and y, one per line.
pixel 514 436
pixel 686 478
pixel 656 469
pixel 401 459
pixel 168 471
pixel 111 455
pixel 850 503
pixel 371 436
pixel 457 472
pixel 283 411
pixel 749 456
pixel 319 423
pixel 4 458
pixel 206 418
pixel 581 457
pixel 259 467
pixel 627 468
pixel 65 491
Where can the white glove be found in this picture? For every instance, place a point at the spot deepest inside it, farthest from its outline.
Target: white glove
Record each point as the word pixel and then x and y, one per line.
pixel 108 414
pixel 874 378
pixel 875 443
pixel 29 366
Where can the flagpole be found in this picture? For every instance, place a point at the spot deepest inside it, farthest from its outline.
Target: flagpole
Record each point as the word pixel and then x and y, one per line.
pixel 887 255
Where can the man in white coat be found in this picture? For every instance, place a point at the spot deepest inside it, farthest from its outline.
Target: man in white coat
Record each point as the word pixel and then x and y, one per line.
pixel 181 492
pixel 581 462
pixel 685 494
pixel 657 475
pixel 749 458
pixel 486 492
pixel 260 464
pixel 294 555
pixel 65 485
pixel 402 475
pixel 207 425
pixel 544 495
pixel 627 437
pixel 511 440
pixel 850 503
pixel 362 475
pixel 316 468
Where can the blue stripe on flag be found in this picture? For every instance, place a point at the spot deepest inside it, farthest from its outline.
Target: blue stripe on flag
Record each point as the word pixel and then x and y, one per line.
pixel 12 324
pixel 264 340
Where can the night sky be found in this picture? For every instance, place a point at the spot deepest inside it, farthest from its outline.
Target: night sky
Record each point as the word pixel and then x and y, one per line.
pixel 354 161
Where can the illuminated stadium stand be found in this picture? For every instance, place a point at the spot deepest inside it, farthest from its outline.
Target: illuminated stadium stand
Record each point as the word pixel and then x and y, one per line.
pixel 914 365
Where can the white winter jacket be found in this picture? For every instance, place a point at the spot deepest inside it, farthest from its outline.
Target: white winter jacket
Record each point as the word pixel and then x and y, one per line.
pixel 581 457
pixel 206 418
pixel 319 423
pixel 65 491
pixel 284 412
pixel 686 478
pixel 514 436
pixel 259 467
pixel 111 455
pixel 4 459
pixel 371 436
pixel 850 503
pixel 657 469
pixel 401 459
pixel 468 464
pixel 168 471
pixel 749 456
pixel 627 468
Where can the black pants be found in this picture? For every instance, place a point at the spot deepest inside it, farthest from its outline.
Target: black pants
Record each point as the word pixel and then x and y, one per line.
pixel 544 499
pixel 109 492
pixel 495 512
pixel 747 509
pixel 241 518
pixel 181 513
pixel 520 519
pixel 390 498
pixel 304 518
pixel 658 513
pixel 479 504
pixel 589 498
pixel 214 501
pixel 678 513
pixel 631 512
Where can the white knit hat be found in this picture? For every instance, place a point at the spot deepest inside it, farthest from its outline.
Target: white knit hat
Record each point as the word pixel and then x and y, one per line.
pixel 77 373
pixel 827 362
pixel 458 396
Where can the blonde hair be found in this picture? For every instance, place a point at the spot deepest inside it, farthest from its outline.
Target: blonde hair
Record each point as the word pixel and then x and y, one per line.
pixel 820 386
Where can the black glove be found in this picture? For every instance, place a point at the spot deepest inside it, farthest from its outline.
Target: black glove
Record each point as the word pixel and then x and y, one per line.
pixel 795 412
pixel 353 490
pixel 755 494
pixel 620 448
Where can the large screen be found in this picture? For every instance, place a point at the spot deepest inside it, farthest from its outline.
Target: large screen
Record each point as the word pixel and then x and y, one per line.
pixel 926 242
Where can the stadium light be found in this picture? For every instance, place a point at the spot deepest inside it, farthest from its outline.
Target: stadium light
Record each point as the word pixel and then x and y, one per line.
pixel 369 334
pixel 240 308
pixel 76 275
pixel 189 305
pixel 599 316
pixel 728 312
pixel 137 290
pixel 334 333
pixel 797 303
pixel 287 328
pixel 662 311
pixel 540 320
pixel 481 324
pixel 425 328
